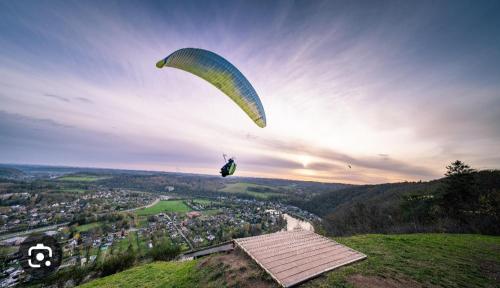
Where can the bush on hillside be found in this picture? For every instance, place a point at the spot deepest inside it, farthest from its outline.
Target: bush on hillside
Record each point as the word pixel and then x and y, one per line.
pixel 164 250
pixel 117 263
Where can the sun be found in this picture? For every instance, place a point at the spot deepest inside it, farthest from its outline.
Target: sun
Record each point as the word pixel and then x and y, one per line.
pixel 304 160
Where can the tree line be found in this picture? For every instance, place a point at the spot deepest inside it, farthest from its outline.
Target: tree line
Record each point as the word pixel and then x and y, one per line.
pixel 464 201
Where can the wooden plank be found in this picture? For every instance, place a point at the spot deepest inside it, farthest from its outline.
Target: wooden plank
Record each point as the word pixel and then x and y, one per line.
pixel 292 257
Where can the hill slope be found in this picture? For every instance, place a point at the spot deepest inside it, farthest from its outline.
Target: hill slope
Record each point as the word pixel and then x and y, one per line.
pixel 414 260
pixel 463 203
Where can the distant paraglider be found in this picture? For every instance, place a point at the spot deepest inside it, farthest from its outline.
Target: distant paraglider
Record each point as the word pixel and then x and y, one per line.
pixel 222 74
pixel 229 167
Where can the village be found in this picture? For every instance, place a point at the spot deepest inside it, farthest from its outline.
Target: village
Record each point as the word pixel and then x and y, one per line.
pixel 31 210
pixel 116 220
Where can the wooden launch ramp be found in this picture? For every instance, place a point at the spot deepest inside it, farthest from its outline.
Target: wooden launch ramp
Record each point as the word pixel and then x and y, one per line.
pixel 292 257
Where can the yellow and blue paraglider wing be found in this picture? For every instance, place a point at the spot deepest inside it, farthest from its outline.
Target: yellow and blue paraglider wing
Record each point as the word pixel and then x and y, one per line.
pixel 223 75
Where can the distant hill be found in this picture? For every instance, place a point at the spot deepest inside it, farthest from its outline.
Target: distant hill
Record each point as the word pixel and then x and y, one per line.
pixel 410 207
pixel 186 184
pixel 10 173
pixel 384 194
pixel 416 260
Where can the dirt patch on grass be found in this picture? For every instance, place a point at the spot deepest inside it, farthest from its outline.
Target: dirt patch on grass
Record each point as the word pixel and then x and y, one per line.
pixel 360 281
pixel 491 269
pixel 234 269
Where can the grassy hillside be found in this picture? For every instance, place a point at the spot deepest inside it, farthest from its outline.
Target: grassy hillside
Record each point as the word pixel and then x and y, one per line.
pixel 419 260
pixel 232 270
pixel 254 190
pixel 158 274
pixel 413 260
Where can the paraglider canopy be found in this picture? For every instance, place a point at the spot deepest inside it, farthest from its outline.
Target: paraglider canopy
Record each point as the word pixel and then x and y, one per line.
pixel 222 74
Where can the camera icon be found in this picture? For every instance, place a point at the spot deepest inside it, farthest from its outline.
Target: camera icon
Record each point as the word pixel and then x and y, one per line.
pixel 40 253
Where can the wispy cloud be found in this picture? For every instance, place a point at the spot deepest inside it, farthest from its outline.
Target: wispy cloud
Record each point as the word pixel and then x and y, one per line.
pixel 57 97
pixel 395 90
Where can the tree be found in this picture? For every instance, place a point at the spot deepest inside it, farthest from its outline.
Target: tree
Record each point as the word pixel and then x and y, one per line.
pixel 117 263
pixel 458 168
pixel 459 197
pixel 164 250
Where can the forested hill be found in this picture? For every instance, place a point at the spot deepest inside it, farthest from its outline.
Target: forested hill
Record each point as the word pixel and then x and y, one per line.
pixel 384 194
pixel 464 201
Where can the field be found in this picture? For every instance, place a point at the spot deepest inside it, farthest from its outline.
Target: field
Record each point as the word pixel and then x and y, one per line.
pixel 87 227
pixel 81 178
pixel 242 188
pixel 413 260
pixel 164 206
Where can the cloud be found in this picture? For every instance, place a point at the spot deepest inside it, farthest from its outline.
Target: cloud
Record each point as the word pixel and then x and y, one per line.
pixel 32 140
pixel 338 161
pixel 337 90
pixel 83 99
pixel 57 97
pixel 272 163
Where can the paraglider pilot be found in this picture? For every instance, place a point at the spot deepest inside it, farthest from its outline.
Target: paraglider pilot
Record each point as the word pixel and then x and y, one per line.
pixel 228 168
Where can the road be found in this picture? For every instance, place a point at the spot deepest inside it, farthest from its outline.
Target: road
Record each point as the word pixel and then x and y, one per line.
pixel 26 232
pixel 221 248
pixel 180 232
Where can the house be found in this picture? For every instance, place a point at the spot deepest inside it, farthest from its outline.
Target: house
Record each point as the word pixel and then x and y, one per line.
pixel 193 214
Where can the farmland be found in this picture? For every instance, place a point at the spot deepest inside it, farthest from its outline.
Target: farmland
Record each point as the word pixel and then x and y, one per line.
pixel 87 227
pixel 82 178
pixel 254 190
pixel 164 206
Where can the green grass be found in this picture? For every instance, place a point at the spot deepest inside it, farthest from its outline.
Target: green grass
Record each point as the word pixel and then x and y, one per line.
pixel 87 227
pixel 449 260
pixel 123 244
pixel 7 250
pixel 164 206
pixel 157 274
pixel 82 178
pixel 242 188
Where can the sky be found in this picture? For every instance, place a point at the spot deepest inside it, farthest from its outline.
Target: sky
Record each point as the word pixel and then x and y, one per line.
pixel 394 89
